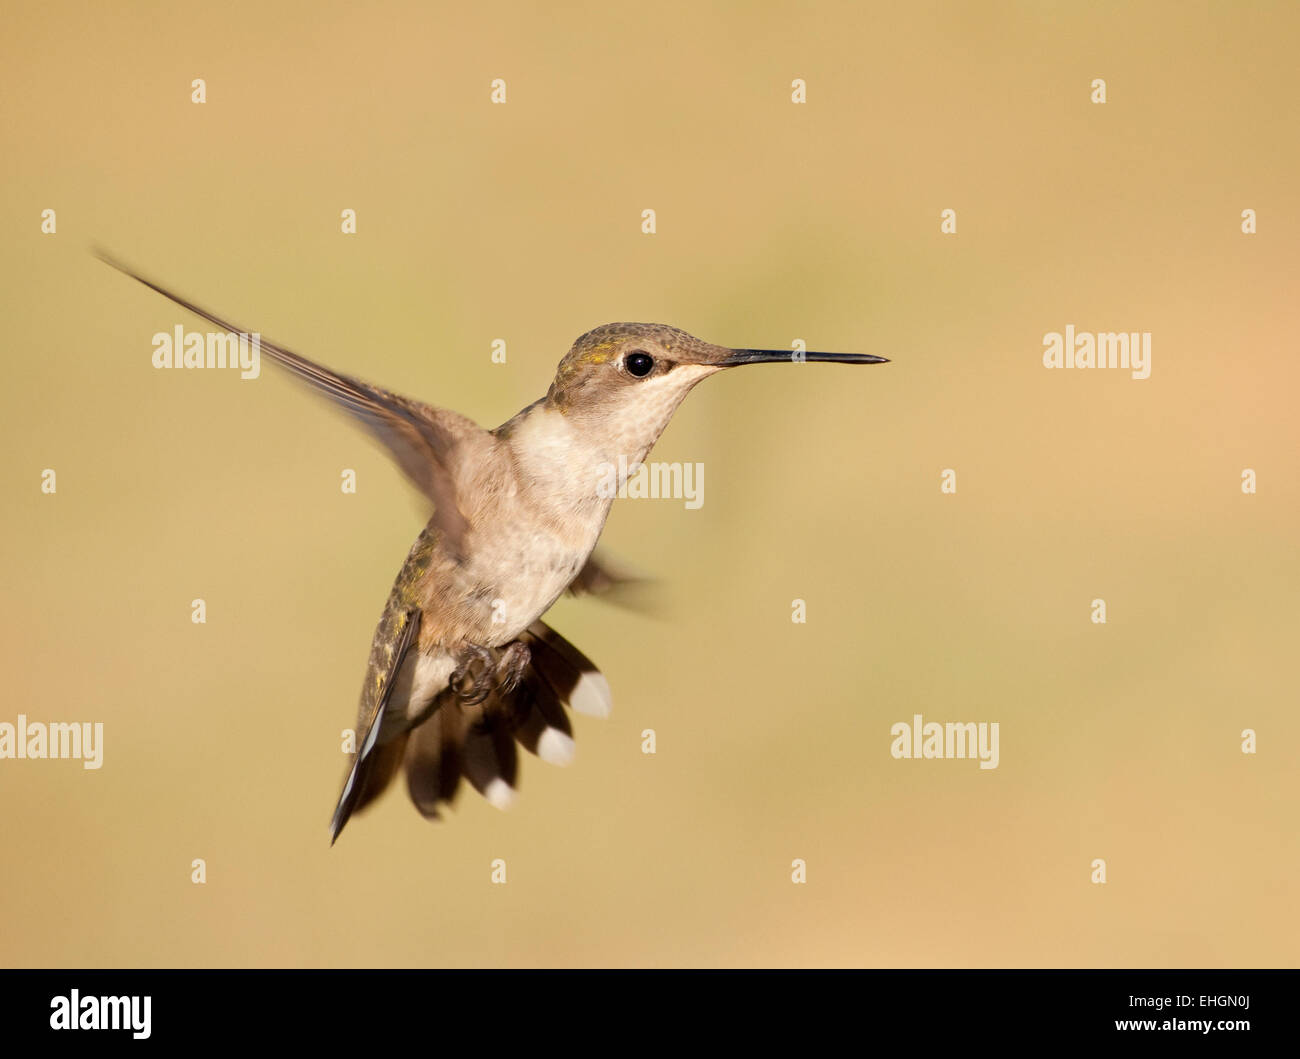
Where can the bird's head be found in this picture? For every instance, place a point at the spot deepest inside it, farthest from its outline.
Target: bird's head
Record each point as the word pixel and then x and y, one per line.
pixel 630 378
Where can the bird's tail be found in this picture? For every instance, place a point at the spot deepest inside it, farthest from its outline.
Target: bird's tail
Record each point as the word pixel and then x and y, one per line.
pixel 479 742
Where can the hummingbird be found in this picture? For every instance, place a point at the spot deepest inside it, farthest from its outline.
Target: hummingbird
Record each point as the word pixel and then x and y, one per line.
pixel 461 666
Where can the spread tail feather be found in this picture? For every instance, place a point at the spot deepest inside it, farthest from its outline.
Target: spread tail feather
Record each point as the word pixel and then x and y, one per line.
pixel 479 742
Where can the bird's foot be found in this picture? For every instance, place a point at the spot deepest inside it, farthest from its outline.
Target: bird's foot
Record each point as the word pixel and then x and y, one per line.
pixel 479 671
pixel 472 687
pixel 510 669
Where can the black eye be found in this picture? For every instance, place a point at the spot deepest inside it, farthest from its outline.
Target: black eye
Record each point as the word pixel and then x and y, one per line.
pixel 639 364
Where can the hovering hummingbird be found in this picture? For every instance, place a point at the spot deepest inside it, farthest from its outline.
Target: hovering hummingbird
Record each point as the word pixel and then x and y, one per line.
pixel 461 666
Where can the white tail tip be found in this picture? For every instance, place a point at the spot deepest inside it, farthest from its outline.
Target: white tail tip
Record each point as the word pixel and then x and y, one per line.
pixel 592 696
pixel 499 794
pixel 555 747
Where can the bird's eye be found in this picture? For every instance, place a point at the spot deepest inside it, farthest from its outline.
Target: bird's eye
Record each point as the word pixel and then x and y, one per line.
pixel 639 363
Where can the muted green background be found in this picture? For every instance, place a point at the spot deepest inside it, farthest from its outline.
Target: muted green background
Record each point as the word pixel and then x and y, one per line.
pixel 776 221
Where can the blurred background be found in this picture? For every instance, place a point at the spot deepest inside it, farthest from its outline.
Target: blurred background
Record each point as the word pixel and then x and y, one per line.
pixel 775 221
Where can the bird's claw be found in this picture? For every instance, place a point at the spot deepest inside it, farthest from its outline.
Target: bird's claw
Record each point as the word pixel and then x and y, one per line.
pixel 472 689
pixel 503 674
pixel 510 669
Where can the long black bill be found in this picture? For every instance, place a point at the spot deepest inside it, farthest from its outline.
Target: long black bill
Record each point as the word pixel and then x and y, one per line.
pixel 779 356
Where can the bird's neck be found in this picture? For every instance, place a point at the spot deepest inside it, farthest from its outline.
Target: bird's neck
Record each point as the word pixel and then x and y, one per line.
pixel 560 464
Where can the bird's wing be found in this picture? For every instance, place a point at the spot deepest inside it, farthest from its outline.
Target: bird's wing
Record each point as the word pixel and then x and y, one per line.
pixel 595 578
pixel 605 580
pixel 420 437
pixel 599 576
pixel 373 764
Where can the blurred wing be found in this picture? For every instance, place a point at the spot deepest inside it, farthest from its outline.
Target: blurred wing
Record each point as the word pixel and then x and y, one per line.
pixel 601 579
pixel 598 577
pixel 420 437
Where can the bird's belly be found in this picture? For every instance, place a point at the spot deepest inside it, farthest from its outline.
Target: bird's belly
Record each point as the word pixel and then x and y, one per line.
pixel 507 582
pixel 536 577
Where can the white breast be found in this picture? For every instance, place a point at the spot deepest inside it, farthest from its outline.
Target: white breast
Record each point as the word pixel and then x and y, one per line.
pixel 544 527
